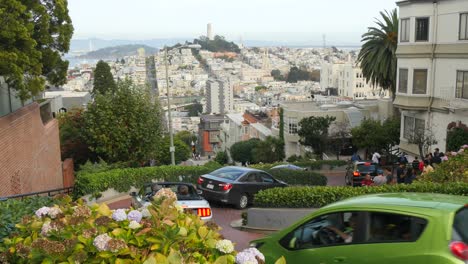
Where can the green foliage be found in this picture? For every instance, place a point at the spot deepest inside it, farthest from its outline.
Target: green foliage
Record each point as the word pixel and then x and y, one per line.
pixel 453 170
pixel 313 132
pixel 34 36
pixel 187 137
pixel 122 179
pixel 310 165
pixel 295 74
pixel 12 210
pixel 242 151
pixel 219 44
pixel 125 126
pixel 298 177
pixel 195 109
pixel 294 158
pixel 260 87
pixel 318 196
pixel 165 235
pixel 376 136
pixel 457 137
pixel 221 157
pixel 163 156
pixel 118 52
pixel 103 80
pixel 269 150
pixel 377 55
pixel 276 74
pixel 73 137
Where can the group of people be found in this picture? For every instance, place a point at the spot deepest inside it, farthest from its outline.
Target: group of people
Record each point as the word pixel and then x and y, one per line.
pixel 380 179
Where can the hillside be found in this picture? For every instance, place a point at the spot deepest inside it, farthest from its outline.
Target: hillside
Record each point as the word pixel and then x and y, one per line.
pixel 219 44
pixel 118 52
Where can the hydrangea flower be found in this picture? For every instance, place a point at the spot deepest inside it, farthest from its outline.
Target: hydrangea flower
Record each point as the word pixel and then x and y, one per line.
pixel 465 146
pixel 100 242
pixel 135 215
pixel 54 211
pixel 255 252
pixel 225 246
pixel 245 258
pixel 134 225
pixel 119 215
pixel 47 227
pixel 145 212
pixel 43 211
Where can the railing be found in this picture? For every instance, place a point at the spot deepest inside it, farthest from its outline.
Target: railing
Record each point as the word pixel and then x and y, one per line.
pixel 46 111
pixel 49 193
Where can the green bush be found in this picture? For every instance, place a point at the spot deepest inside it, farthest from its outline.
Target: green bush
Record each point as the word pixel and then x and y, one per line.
pixel 311 165
pixel 297 177
pixel 314 197
pixel 455 169
pixel 12 210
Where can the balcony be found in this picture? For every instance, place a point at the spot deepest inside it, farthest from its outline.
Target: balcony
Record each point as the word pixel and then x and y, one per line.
pixel 411 102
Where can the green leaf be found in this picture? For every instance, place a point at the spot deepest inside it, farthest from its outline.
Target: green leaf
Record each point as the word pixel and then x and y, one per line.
pixel 281 260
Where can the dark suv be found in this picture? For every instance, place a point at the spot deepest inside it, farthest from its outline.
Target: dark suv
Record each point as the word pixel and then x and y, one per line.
pixel 356 172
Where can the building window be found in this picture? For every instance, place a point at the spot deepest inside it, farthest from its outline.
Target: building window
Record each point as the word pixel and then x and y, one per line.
pixel 422 29
pixel 292 126
pixel 420 81
pixel 405 29
pixel 403 81
pixel 462 85
pixel 463 34
pixel 412 127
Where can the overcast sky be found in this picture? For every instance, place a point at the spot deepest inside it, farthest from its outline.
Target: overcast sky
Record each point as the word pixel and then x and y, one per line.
pixel 275 20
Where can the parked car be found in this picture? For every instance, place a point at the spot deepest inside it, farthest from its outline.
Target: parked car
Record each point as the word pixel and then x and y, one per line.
pixel 187 197
pixel 358 170
pixel 236 185
pixel 288 167
pixel 380 228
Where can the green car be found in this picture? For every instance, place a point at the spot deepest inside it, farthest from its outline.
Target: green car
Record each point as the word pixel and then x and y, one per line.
pixel 382 228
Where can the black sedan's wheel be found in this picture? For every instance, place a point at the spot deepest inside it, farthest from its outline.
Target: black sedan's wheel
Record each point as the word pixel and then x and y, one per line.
pixel 243 201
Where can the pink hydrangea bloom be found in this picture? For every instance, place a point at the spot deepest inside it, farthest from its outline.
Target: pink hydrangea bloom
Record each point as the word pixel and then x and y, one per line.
pixel 100 242
pixel 135 216
pixel 119 215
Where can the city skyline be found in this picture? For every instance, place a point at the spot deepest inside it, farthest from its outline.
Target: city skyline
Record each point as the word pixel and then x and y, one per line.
pixel 298 21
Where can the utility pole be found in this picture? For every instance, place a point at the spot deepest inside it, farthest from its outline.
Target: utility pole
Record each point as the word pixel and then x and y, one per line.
pixel 171 136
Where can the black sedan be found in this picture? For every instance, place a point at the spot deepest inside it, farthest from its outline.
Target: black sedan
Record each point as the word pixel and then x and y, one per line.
pixel 236 185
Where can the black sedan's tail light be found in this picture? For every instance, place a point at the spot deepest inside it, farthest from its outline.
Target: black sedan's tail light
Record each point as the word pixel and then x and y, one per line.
pixel 200 180
pixel 204 212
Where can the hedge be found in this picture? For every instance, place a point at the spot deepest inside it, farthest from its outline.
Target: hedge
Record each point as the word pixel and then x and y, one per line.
pixel 122 179
pixel 311 165
pixel 315 197
pixel 294 177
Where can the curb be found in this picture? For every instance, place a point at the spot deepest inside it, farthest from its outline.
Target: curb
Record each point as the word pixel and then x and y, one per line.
pixel 237 224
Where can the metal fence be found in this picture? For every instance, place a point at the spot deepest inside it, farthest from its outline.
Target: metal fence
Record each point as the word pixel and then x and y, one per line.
pixel 53 192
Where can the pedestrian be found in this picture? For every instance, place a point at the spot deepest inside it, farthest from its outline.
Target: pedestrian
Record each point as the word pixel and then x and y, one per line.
pixel 410 175
pixel 367 180
pixel 415 163
pixel 436 152
pixel 355 157
pixel 401 173
pixel 389 175
pixel 421 166
pixel 402 159
pixel 443 157
pixel 380 179
pixel 427 168
pixel 376 157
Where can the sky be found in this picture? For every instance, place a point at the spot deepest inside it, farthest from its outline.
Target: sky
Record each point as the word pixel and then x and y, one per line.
pixel 342 21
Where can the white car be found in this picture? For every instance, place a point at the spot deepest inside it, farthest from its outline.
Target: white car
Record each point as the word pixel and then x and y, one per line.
pixel 187 197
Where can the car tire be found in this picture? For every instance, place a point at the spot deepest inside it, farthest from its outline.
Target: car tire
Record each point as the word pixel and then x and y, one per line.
pixel 243 201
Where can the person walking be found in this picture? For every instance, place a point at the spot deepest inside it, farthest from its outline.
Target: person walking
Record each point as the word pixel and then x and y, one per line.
pixel 410 176
pixel 376 157
pixel 380 179
pixel 389 175
pixel 402 159
pixel 401 173
pixel 427 168
pixel 415 163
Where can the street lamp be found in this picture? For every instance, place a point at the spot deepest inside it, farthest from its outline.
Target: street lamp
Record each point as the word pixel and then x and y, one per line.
pixel 171 136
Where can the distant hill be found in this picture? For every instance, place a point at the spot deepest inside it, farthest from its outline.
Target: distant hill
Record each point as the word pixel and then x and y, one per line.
pixel 117 52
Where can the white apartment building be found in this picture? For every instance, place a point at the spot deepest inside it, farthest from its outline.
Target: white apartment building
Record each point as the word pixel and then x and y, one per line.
pixel 219 96
pixel 432 69
pixel 347 78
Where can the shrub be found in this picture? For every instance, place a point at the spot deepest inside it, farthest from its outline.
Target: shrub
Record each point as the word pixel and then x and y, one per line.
pixel 294 158
pixel 297 177
pixel 314 197
pixel 311 165
pixel 12 210
pixel 221 157
pixel 453 170
pixel 72 232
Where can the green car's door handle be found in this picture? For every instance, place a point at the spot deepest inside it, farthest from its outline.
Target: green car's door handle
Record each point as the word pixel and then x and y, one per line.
pixel 339 259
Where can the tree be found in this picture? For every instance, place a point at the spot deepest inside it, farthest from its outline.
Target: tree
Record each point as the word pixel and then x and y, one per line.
pixel 313 132
pixel 457 136
pixel 373 135
pixel 163 156
pixel 221 157
pixel 295 74
pixel 424 139
pixel 242 151
pixel 33 38
pixel 276 74
pixel 269 150
pixel 124 126
pixel 340 133
pixel 103 79
pixel 186 137
pixel 195 109
pixel 122 61
pixel 377 55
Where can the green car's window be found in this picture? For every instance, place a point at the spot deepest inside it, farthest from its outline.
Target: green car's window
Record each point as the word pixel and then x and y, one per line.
pixel 460 225
pixel 325 230
pixel 387 227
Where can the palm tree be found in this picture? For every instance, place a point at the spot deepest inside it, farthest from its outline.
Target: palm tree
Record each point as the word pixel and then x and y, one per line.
pixel 377 56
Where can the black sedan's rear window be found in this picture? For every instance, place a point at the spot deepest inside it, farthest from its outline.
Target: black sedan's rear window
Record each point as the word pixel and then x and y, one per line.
pixel 460 224
pixel 228 173
pixel 366 168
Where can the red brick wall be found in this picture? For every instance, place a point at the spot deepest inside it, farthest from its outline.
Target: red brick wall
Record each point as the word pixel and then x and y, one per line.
pixel 68 170
pixel 29 153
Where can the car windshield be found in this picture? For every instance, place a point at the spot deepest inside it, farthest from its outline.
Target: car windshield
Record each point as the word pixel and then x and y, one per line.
pixel 228 173
pixel 183 191
pixel 366 168
pixel 460 224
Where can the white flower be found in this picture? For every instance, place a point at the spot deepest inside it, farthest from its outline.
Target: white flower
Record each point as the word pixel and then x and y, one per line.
pixel 135 216
pixel 245 258
pixel 100 242
pixel 47 227
pixel 43 211
pixel 119 215
pixel 255 252
pixel 145 212
pixel 54 211
pixel 225 246
pixel 134 225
